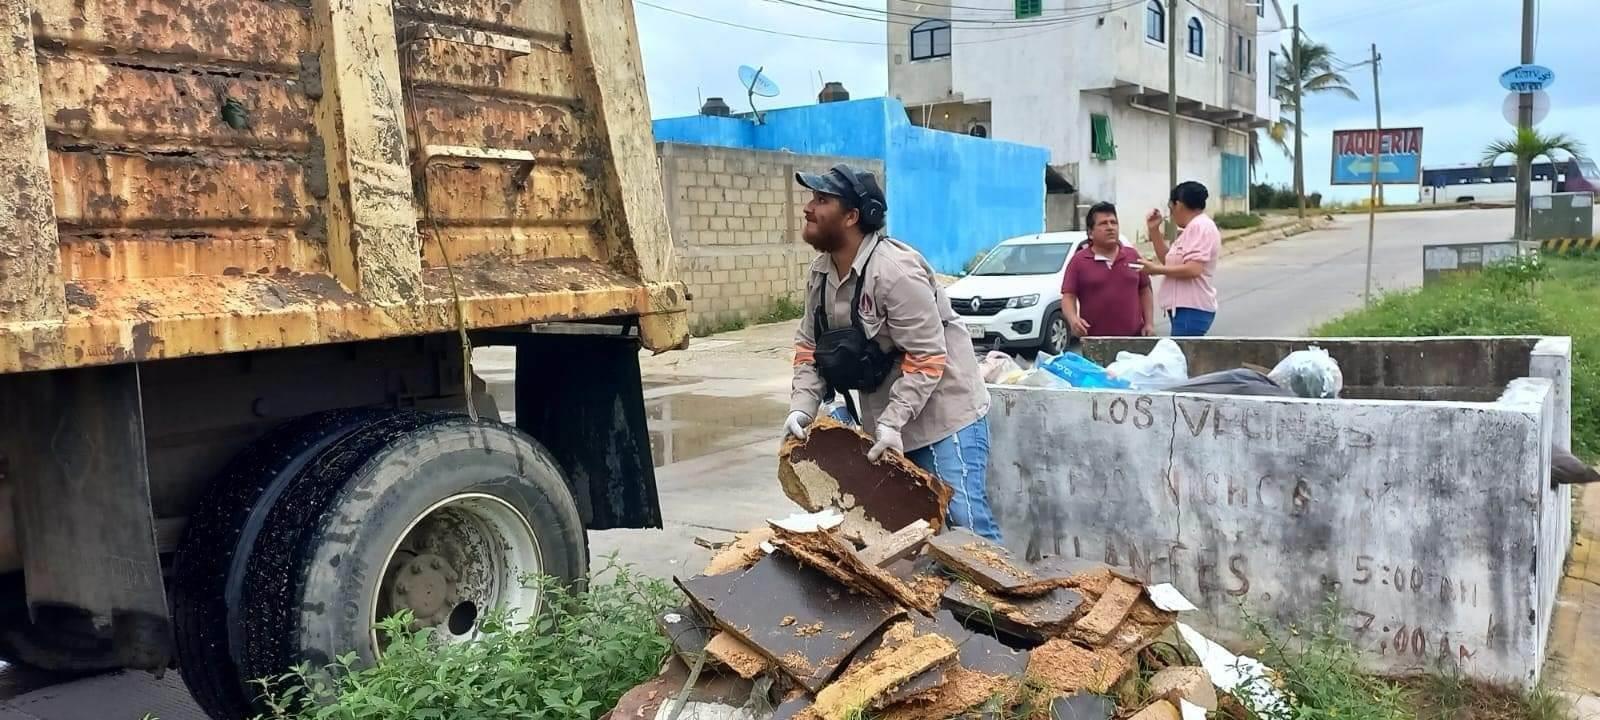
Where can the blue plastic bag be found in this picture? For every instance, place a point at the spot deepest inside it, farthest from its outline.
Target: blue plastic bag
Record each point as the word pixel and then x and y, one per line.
pixel 1082 372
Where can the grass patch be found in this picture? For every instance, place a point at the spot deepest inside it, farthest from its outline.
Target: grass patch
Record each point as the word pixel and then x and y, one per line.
pixel 723 324
pixel 784 309
pixel 1237 221
pixel 1542 296
pixel 572 662
pixel 1453 697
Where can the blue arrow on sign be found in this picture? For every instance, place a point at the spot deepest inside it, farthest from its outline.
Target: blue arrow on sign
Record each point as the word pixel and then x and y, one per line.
pixel 1527 78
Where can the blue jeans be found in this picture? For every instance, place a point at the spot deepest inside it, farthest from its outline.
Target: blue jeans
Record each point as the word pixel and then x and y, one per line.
pixel 1189 322
pixel 961 461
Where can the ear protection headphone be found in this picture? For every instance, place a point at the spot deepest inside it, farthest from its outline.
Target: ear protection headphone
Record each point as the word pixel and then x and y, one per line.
pixel 872 209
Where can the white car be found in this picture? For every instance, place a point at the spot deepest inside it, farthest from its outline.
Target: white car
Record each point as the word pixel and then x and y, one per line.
pixel 1012 299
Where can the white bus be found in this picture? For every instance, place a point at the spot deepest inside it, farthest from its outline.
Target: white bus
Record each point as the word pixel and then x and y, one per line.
pixel 1498 183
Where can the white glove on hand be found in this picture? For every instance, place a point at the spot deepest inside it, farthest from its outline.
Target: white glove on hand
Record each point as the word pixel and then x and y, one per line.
pixel 887 438
pixel 796 424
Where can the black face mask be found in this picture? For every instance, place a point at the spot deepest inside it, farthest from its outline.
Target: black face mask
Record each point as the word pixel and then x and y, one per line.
pixel 845 357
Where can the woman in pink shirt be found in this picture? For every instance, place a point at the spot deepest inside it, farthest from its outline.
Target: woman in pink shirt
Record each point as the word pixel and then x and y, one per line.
pixel 1186 293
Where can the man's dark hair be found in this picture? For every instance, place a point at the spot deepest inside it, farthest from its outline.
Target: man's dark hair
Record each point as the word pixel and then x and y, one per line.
pixel 1192 194
pixel 1099 208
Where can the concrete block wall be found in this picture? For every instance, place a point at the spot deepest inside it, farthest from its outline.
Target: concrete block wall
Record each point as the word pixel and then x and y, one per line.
pixel 736 217
pixel 1432 522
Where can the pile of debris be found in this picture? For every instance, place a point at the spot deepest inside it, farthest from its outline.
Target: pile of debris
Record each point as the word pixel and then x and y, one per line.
pixel 826 616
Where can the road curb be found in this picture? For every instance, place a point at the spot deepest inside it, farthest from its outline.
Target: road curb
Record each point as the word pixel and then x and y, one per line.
pixel 1250 241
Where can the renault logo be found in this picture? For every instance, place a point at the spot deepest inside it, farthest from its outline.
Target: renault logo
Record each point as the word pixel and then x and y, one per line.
pixel 977 304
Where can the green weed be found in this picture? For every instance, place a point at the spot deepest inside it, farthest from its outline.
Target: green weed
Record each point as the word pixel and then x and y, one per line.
pixel 1537 296
pixel 784 308
pixel 571 662
pixel 1237 221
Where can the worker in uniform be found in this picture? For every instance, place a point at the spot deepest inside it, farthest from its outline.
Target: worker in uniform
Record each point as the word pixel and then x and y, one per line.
pixel 877 322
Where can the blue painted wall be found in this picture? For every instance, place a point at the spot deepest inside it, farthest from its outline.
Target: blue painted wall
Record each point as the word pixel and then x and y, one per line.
pixel 951 196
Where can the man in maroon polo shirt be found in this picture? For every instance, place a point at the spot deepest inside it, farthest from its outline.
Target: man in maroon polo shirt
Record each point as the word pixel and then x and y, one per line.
pixel 1103 293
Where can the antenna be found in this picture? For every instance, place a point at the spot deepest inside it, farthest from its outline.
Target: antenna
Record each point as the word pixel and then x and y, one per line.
pixel 756 84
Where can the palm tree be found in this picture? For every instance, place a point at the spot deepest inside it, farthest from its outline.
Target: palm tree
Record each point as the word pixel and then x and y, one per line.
pixel 1318 73
pixel 1527 146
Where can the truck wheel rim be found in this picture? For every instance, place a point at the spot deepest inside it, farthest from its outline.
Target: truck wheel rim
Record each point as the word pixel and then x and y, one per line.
pixel 462 558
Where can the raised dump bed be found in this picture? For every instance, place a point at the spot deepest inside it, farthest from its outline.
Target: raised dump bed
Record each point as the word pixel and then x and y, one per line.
pixel 1420 502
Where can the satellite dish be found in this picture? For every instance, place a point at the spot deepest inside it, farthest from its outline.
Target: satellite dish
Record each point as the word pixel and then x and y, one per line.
pixel 1509 109
pixel 756 84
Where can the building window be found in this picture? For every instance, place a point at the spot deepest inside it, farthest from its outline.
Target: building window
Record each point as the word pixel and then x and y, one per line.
pixel 1155 21
pixel 1261 8
pixel 1238 53
pixel 1250 54
pixel 1029 8
pixel 930 39
pixel 1235 175
pixel 1197 38
pixel 1272 73
pixel 1101 144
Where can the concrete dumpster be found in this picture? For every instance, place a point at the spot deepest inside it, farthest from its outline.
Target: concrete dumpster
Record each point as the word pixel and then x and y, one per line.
pixel 1420 501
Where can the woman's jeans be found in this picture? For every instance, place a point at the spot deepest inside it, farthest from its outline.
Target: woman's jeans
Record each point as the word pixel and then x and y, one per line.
pixel 1189 322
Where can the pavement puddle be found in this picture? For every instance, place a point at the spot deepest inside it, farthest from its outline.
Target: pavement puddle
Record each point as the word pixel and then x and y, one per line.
pixel 690 425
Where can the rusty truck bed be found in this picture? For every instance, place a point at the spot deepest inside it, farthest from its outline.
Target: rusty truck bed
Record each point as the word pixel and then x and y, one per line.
pixel 194 177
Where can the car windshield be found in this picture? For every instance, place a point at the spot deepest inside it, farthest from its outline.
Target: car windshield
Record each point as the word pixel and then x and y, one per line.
pixel 1029 259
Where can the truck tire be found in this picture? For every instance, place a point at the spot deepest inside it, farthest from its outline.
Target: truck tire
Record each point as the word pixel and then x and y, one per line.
pixel 217 539
pixel 426 512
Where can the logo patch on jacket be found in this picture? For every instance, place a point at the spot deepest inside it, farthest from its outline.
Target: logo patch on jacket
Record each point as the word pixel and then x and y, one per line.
pixel 866 305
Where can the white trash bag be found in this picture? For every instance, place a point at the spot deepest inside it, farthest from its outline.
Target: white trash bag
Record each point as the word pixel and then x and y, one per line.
pixel 1164 367
pixel 1309 373
pixel 998 365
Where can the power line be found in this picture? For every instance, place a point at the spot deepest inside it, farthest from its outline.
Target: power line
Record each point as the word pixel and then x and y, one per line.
pixel 876 15
pixel 1048 26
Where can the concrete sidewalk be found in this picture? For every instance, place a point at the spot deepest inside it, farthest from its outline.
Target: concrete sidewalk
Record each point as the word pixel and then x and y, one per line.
pixel 1573 665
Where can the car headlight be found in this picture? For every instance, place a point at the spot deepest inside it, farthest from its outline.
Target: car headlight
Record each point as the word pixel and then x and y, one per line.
pixel 1023 301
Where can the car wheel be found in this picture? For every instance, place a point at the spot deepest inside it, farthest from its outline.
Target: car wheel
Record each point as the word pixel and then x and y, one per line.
pixel 1056 336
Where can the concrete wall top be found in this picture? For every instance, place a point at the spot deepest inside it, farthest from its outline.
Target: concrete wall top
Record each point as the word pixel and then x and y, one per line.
pixel 951 196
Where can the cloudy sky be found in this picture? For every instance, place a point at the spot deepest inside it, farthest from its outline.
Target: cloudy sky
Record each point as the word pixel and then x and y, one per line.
pixel 1441 61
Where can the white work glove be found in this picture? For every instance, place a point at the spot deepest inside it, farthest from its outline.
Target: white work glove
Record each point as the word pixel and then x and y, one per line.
pixel 796 425
pixel 888 438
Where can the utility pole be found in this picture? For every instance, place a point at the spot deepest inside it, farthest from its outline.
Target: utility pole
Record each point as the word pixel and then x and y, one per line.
pixel 1525 122
pixel 1299 118
pixel 1172 105
pixel 1377 160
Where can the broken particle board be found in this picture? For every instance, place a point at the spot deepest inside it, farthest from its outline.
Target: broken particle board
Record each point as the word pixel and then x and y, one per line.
pixel 862 685
pixel 737 656
pixel 792 614
pixel 986 563
pixel 1159 710
pixel 1113 606
pixel 1082 706
pixel 744 552
pixel 1033 620
pixel 1066 667
pixel 963 690
pixel 830 469
pixel 833 555
pixel 1184 683
pixel 687 632
pixel 903 543
pixel 643 701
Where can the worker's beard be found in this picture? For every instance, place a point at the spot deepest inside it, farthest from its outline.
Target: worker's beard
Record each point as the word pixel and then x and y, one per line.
pixel 825 242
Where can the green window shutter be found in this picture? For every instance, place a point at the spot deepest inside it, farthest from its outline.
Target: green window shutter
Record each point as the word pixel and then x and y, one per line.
pixel 1029 8
pixel 1102 145
pixel 1235 175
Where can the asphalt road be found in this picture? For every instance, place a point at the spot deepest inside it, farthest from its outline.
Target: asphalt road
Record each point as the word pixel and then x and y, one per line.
pixel 715 412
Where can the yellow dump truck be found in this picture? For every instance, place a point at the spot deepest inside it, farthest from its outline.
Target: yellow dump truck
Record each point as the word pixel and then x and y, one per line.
pixel 245 246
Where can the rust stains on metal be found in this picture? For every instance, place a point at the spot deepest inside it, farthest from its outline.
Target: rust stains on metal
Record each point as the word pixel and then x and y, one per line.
pixel 89 99
pixel 112 256
pixel 30 280
pixel 546 75
pixel 111 190
pixel 270 35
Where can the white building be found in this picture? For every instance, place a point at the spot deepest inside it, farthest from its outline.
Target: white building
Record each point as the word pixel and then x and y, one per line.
pixel 1088 80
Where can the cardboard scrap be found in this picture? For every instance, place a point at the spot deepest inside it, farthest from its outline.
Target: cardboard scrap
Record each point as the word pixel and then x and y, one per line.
pixel 863 684
pixel 1066 667
pixel 734 654
pixel 986 563
pixel 774 606
pixel 1185 683
pixel 742 553
pixel 1108 612
pixel 830 469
